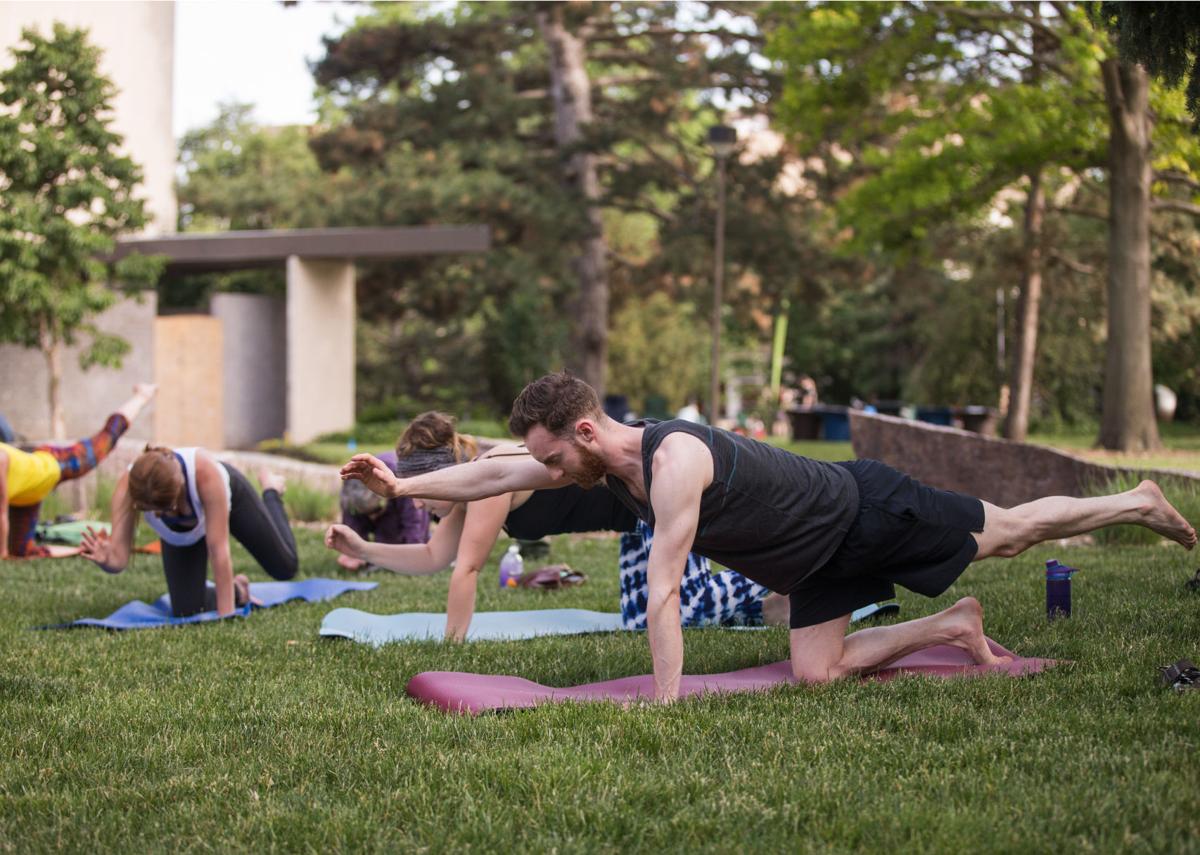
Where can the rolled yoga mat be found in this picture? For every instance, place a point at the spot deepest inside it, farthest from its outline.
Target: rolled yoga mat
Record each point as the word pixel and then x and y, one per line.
pixel 378 630
pixel 141 615
pixel 458 692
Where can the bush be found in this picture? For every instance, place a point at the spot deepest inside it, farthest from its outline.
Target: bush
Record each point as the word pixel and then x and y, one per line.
pixel 307 504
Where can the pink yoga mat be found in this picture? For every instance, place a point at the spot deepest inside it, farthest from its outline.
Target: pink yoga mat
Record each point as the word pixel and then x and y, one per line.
pixel 458 692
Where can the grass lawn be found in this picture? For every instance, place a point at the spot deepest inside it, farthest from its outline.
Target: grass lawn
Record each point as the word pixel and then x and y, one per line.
pixel 258 734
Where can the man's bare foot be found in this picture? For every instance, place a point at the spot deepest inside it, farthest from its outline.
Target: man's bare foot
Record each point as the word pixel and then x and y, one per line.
pixel 776 610
pixel 145 391
pixel 270 481
pixel 965 630
pixel 1160 516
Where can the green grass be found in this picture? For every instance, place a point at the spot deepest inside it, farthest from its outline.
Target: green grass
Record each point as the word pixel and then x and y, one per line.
pixel 1181 447
pixel 257 734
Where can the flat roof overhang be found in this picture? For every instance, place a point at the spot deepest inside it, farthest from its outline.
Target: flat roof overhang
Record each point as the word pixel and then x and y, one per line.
pixel 216 251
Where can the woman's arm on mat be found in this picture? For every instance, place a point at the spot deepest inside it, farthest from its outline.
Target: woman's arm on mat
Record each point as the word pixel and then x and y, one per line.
pixel 465 482
pixel 682 469
pixel 211 488
pixel 111 553
pixel 408 559
pixel 484 520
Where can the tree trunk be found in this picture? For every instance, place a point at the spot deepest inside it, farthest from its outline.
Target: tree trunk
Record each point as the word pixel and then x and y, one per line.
pixel 571 93
pixel 1128 421
pixel 1016 425
pixel 52 350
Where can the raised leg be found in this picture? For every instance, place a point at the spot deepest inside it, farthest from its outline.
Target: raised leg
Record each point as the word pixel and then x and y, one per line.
pixel 823 652
pixel 1010 531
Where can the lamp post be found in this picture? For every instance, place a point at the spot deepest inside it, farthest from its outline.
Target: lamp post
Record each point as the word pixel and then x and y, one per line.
pixel 722 139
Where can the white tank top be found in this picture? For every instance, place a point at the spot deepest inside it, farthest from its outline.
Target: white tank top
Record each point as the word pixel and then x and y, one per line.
pixel 187 456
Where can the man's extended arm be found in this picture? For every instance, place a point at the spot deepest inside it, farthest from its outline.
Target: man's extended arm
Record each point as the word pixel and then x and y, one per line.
pixel 465 482
pixel 682 468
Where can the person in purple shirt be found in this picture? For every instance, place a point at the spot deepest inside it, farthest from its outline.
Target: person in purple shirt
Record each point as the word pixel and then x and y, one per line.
pixel 390 520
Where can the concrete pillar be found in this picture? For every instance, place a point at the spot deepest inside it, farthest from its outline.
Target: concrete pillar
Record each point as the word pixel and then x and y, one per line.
pixel 255 365
pixel 321 316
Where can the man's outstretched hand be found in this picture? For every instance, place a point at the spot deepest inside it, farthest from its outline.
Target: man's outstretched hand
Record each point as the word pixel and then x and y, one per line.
pixel 373 472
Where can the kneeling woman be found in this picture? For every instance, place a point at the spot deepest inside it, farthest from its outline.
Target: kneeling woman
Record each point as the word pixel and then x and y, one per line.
pixel 194 503
pixel 467 532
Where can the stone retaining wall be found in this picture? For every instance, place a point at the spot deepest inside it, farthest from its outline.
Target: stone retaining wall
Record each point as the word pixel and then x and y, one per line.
pixel 999 471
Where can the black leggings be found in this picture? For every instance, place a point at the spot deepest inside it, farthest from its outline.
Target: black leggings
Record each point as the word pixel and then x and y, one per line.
pixel 260 525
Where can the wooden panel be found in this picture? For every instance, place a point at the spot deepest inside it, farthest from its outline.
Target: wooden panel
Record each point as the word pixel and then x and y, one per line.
pixel 188 369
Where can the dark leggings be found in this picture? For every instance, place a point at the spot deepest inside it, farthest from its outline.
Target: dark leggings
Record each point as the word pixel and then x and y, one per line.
pixel 259 524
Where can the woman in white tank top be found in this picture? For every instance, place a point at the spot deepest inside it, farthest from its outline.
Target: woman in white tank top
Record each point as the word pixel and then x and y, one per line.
pixel 194 503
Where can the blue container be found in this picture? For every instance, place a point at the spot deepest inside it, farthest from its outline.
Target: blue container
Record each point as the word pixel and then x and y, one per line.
pixel 835 426
pixel 1058 589
pixel 936 415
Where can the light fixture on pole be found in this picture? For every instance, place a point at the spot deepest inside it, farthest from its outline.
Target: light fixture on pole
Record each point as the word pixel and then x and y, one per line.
pixel 722 139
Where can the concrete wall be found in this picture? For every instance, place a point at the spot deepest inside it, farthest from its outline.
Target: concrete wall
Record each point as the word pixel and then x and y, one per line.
pixel 320 347
pixel 138 40
pixel 254 330
pixel 189 371
pixel 999 471
pixel 87 396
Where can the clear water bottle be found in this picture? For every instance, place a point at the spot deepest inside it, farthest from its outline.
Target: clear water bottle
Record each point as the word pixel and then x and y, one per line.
pixel 1058 589
pixel 512 565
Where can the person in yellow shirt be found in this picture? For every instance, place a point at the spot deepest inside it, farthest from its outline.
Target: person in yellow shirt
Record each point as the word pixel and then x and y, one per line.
pixel 28 474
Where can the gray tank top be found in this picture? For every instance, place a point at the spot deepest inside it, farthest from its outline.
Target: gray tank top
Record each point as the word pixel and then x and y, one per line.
pixel 773 516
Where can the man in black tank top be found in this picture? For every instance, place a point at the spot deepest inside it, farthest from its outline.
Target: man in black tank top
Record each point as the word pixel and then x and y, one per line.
pixel 831 536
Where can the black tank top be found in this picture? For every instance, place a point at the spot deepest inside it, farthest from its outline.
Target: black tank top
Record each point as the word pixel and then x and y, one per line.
pixel 568 509
pixel 773 516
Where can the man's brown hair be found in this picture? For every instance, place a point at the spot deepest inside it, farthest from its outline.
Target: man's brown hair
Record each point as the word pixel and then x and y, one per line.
pixel 555 402
pixel 155 479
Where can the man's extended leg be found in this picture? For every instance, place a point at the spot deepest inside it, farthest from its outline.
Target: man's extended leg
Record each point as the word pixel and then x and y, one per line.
pixel 823 652
pixel 1010 531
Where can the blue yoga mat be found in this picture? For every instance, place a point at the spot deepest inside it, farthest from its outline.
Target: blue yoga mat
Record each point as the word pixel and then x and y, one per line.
pixel 378 630
pixel 140 615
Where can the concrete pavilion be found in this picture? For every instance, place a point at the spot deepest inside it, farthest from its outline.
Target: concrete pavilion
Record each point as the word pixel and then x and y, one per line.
pixel 259 367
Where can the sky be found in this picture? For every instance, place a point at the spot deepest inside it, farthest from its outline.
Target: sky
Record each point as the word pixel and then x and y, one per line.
pixel 251 51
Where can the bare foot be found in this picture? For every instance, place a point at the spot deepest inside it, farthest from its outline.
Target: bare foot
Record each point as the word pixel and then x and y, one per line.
pixel 1161 517
pixel 145 391
pixel 966 631
pixel 776 610
pixel 270 481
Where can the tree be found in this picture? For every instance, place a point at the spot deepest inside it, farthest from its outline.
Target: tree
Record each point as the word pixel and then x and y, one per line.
pixel 542 119
pixel 1164 38
pixel 67 194
pixel 959 105
pixel 955 104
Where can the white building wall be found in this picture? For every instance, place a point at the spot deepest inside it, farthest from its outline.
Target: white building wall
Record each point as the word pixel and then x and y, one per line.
pixel 138 40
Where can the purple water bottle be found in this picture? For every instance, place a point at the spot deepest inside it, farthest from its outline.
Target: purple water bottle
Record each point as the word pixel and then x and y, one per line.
pixel 1058 589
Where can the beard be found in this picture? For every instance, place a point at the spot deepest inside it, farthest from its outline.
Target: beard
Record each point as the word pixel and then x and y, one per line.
pixel 591 469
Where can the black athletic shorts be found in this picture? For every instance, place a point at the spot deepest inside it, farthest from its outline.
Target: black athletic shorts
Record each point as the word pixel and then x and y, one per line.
pixel 905 534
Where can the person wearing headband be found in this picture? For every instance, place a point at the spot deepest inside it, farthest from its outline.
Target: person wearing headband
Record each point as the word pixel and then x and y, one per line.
pixel 467 532
pixel 373 517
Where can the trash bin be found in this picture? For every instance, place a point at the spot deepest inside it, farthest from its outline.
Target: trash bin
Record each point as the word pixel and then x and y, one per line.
pixel 835 423
pixel 805 422
pixel 980 420
pixel 936 415
pixel 616 407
